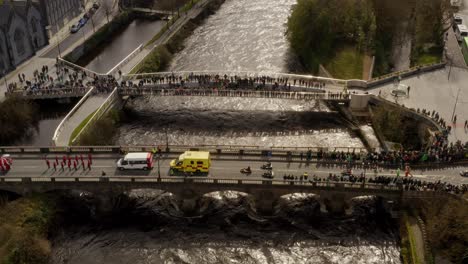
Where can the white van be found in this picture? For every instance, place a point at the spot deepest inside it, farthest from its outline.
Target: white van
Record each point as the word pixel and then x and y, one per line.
pixel 461 32
pixel 136 161
pixel 457 20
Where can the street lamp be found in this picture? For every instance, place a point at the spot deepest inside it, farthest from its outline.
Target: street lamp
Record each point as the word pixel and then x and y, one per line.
pixel 58 41
pixel 159 168
pixel 447 55
pixel 4 76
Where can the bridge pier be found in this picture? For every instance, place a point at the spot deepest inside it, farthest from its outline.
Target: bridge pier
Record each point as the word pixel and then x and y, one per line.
pixel 188 200
pixel 265 201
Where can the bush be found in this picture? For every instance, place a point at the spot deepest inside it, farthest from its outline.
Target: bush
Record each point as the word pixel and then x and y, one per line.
pixel 317 27
pixel 157 60
pixel 102 132
pixel 17 117
pixel 391 123
pixel 24 227
pixel 447 228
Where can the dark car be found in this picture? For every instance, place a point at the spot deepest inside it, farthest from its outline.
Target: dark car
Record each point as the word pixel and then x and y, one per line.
pixel 82 22
pixel 74 29
pixel 464 173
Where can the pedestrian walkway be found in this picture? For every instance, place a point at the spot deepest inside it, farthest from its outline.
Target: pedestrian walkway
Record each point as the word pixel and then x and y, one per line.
pixel 418 239
pixel 437 90
pixel 87 108
pixel 454 54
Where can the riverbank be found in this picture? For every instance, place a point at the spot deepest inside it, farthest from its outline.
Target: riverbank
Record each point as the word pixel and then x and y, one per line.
pixel 17 120
pixel 25 225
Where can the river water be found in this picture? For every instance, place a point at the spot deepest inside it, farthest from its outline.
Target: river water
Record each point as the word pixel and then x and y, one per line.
pixel 246 35
pixel 226 229
pixel 243 35
pixel 195 121
pixel 138 32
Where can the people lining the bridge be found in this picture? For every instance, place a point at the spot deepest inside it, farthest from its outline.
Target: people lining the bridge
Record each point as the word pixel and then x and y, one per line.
pixel 408 183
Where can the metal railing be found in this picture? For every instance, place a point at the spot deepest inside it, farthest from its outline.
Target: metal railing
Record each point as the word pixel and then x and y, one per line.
pixel 50 93
pixel 154 91
pixel 126 59
pixel 59 128
pixel 76 67
pixel 214 149
pixel 329 185
pixel 239 74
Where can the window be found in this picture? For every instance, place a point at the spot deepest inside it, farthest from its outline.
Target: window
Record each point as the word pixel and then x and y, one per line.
pixel 199 162
pixel 19 41
pixel 34 25
pixel 124 162
pixel 191 162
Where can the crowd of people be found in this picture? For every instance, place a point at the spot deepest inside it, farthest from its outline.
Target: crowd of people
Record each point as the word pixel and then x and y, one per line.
pixel 438 152
pixel 407 183
pixel 224 82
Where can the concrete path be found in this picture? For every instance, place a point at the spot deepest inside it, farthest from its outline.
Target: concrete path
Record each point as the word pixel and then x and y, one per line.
pixel 437 91
pixel 454 53
pixel 418 239
pixel 88 107
pixel 401 52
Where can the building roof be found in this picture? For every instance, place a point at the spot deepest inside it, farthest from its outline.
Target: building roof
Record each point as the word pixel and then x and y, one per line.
pixel 201 155
pixel 138 155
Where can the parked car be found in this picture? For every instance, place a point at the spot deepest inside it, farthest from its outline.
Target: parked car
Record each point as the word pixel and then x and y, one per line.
pixel 464 173
pixel 74 29
pixel 82 22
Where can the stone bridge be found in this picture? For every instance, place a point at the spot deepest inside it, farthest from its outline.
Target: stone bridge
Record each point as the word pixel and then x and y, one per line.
pixel 333 197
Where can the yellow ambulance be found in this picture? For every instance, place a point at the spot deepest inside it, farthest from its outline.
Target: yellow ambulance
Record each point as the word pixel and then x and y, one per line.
pixel 192 161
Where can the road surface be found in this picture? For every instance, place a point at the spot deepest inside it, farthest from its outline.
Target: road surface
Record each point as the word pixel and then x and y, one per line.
pixel 71 39
pixel 222 167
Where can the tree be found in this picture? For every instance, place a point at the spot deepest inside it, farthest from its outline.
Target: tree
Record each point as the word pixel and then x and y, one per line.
pixel 107 7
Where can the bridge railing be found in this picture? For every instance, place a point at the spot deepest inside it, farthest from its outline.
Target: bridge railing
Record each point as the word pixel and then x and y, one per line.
pixel 125 60
pixel 239 74
pixel 60 127
pixel 338 186
pixel 154 91
pixel 214 149
pixel 78 68
pixel 50 93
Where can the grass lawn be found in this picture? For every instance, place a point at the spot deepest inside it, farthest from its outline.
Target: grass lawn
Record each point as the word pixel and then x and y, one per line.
pixel 80 127
pixel 427 58
pixel 346 64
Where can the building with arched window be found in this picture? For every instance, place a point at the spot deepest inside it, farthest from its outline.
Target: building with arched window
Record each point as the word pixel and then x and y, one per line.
pixel 22 32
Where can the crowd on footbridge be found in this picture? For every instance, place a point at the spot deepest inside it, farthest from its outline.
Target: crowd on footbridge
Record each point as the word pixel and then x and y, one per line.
pixel 64 81
pixel 76 80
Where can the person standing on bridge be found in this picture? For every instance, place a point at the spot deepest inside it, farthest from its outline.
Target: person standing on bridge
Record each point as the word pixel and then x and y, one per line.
pixel 90 158
pixel 75 165
pixel 69 165
pixel 47 163
pixel 55 166
pixel 62 164
pixel 89 165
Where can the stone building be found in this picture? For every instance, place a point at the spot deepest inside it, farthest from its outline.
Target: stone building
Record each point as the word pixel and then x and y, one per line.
pixel 22 32
pixel 59 12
